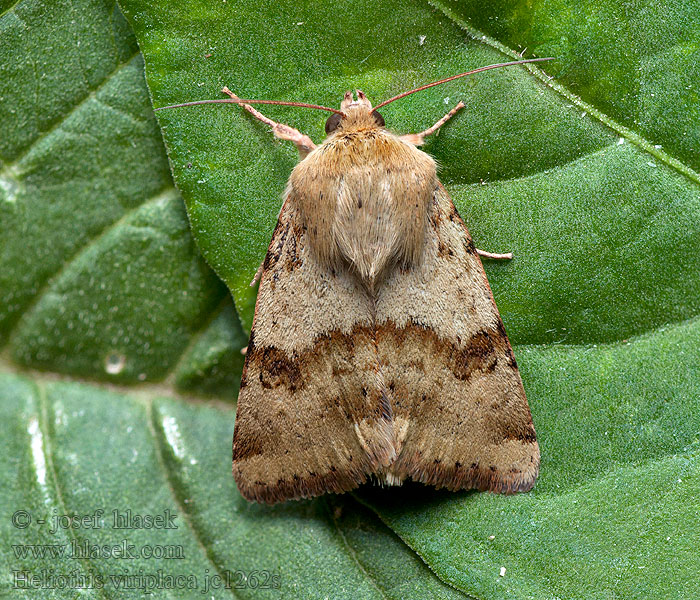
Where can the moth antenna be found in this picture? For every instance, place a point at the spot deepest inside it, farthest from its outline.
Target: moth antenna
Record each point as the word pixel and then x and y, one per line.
pixel 240 101
pixel 486 68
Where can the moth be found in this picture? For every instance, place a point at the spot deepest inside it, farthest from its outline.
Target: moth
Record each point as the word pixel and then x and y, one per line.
pixel 376 350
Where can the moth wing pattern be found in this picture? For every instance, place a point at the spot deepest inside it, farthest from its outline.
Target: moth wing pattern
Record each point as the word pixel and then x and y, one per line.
pixel 312 416
pixel 461 419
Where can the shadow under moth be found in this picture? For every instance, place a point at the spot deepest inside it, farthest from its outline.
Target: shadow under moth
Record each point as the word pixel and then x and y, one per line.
pixel 376 351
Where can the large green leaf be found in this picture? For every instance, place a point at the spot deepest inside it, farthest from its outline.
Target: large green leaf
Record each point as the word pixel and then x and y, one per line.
pixel 99 275
pixel 100 280
pixel 75 450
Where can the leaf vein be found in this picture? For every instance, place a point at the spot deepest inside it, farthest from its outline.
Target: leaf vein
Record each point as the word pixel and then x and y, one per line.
pixel 593 112
pixel 380 516
pixel 195 337
pixel 181 506
pixel 80 251
pixel 11 9
pixel 64 117
pixel 351 551
pixel 53 475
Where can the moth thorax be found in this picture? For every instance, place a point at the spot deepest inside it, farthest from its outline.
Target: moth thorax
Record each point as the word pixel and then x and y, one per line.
pixel 365 203
pixel 374 226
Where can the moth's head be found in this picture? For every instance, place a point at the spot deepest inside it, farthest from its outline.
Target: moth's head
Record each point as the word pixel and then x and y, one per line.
pixel 357 115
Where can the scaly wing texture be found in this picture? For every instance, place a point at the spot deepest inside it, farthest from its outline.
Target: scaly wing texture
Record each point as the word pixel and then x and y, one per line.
pixel 461 419
pixel 313 416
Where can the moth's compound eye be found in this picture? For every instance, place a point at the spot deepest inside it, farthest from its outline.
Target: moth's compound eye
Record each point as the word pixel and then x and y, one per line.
pixel 333 122
pixel 378 118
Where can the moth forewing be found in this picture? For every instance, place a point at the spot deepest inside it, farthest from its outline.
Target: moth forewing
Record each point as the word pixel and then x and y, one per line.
pixel 461 419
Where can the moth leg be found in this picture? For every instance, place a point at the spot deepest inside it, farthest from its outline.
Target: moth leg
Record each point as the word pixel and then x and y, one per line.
pixel 256 278
pixel 282 131
pixel 417 139
pixel 485 254
pixel 258 274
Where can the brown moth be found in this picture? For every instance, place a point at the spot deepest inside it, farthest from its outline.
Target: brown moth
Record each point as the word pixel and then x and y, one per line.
pixel 376 351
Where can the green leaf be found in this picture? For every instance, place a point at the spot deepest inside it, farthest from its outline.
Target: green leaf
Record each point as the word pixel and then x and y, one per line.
pixel 166 459
pixel 100 279
pixel 603 223
pixel 582 201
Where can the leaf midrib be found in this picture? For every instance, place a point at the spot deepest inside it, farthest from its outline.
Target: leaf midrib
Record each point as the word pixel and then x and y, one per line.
pixel 47 450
